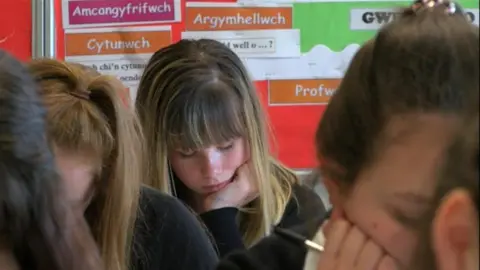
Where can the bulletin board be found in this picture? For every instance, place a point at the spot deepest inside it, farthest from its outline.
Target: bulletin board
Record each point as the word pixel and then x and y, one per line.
pixel 296 51
pixel 16 29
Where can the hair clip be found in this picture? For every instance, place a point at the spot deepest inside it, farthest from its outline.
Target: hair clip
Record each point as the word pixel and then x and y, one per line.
pixel 450 6
pixel 81 94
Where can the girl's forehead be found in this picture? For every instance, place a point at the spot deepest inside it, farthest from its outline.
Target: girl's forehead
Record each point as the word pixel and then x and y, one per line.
pixel 407 163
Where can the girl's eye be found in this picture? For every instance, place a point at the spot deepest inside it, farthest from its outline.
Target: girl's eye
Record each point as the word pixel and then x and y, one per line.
pixel 409 219
pixel 186 153
pixel 226 146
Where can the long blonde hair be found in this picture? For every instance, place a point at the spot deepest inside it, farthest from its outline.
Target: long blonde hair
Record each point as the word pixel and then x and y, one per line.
pixel 85 112
pixel 196 94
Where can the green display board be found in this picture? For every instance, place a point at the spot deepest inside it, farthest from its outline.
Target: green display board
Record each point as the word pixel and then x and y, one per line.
pixel 329 23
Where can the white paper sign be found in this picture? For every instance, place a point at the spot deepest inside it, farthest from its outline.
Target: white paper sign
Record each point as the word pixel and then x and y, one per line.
pixel 257 43
pixel 472 14
pixel 372 18
pixel 121 52
pixel 375 18
pixel 129 71
pixel 320 62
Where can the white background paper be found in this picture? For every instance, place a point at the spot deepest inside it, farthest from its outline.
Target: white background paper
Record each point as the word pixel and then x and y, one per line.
pixel 255 43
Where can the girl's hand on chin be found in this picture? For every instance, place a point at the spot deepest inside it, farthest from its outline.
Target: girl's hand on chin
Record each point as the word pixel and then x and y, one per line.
pixel 348 248
pixel 239 192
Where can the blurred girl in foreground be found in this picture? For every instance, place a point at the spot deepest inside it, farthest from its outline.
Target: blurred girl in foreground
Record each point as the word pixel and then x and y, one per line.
pixel 380 141
pixel 38 229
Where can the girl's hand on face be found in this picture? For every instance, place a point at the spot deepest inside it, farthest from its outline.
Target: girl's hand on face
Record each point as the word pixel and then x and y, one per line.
pixel 348 248
pixel 242 190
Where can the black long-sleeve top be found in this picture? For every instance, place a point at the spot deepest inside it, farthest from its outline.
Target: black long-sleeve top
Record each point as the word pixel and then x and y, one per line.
pixel 304 205
pixel 168 236
pixel 274 252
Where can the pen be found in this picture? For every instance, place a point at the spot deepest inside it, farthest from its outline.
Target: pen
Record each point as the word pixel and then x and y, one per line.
pixel 296 238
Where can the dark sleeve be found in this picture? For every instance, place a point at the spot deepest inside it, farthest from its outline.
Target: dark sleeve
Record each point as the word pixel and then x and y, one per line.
pixel 304 205
pixel 271 253
pixel 222 224
pixel 169 236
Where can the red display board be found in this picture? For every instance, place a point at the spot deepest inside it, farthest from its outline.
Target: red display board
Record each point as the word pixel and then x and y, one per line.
pixel 293 127
pixel 16 28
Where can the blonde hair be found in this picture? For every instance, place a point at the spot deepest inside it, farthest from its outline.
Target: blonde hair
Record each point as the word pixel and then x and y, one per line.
pixel 85 111
pixel 198 93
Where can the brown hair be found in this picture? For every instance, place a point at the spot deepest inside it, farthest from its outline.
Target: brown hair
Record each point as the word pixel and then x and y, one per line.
pixel 198 93
pixel 42 232
pixel 459 171
pixel 426 61
pixel 85 111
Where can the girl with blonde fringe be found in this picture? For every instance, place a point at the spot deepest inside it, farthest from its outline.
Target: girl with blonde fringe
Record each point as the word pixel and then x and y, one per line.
pixel 99 153
pixel 208 144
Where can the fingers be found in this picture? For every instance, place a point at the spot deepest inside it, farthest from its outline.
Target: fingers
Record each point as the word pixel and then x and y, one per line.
pixel 387 263
pixel 245 179
pixel 242 190
pixel 335 238
pixel 370 256
pixel 351 251
pixel 245 166
pixel 244 172
pixel 336 213
pixel 326 227
pixel 348 248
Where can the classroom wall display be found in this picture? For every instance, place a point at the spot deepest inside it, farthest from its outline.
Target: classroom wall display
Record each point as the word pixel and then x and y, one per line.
pixel 117 51
pixel 296 51
pixel 81 13
pixel 16 28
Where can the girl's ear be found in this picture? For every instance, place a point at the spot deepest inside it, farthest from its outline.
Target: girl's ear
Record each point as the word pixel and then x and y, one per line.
pixel 335 198
pixel 333 191
pixel 455 233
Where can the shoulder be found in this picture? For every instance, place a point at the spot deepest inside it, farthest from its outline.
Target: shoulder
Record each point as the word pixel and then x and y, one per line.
pixel 304 193
pixel 154 202
pixel 165 212
pixel 304 205
pixel 167 233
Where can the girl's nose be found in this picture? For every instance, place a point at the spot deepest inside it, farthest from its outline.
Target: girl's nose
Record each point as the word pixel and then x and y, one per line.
pixel 213 166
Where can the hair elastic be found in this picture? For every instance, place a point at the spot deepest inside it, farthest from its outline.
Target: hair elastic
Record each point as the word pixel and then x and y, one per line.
pixel 81 94
pixel 450 6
